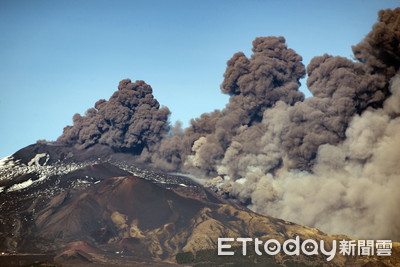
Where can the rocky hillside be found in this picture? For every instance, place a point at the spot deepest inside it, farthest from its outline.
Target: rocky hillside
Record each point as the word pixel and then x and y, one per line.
pixel 59 210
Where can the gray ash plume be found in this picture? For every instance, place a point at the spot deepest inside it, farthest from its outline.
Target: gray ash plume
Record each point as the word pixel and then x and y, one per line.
pixel 305 160
pixel 380 48
pixel 271 74
pixel 342 88
pixel 130 121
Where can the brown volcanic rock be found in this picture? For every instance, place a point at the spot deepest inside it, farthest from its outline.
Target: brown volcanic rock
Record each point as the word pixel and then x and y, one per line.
pixel 79 252
pixel 119 220
pixel 113 204
pixel 136 218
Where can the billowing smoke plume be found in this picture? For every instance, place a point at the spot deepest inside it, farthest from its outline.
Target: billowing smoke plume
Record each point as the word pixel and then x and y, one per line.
pixel 271 74
pixel 130 121
pixel 328 161
pixel 353 187
pixel 341 88
pixel 380 48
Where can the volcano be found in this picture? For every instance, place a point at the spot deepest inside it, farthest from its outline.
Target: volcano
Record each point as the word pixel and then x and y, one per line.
pixel 66 206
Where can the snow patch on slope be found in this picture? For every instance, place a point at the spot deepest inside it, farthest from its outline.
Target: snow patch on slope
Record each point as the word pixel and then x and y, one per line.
pixel 20 185
pixel 7 161
pixel 36 159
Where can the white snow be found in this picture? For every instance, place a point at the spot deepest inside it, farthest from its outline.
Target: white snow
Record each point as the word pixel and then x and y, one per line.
pixel 36 159
pixel 20 185
pixel 195 178
pixel 44 172
pixel 3 161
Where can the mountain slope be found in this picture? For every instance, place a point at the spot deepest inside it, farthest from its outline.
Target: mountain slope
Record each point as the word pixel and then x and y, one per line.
pixel 91 212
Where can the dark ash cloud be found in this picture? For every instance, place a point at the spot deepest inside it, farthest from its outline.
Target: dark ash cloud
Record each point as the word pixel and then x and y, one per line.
pixel 306 160
pixel 130 121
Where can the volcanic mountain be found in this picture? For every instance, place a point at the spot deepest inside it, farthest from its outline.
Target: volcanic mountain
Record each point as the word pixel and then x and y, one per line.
pixel 65 206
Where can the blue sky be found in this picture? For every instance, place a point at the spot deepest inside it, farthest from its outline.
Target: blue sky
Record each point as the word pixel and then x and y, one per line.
pixel 57 58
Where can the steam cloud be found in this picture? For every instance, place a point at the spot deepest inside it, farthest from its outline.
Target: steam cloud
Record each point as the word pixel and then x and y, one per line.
pixel 329 161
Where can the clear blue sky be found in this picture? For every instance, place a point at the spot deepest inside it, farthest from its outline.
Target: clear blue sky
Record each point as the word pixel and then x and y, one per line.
pixel 57 58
